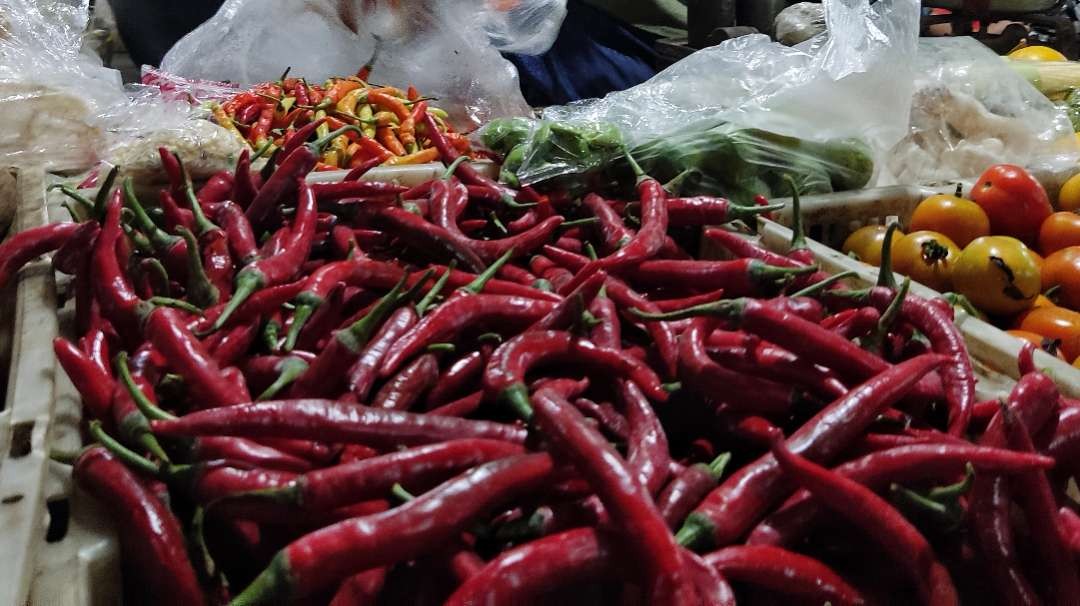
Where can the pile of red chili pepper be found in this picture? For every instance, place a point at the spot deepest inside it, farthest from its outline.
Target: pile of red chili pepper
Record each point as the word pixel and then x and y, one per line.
pixel 459 393
pixel 270 114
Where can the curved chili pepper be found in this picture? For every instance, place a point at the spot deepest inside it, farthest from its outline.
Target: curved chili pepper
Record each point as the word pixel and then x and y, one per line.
pixel 240 237
pixel 283 182
pixel 458 315
pixel 569 312
pixel 313 419
pixel 1065 444
pixel 402 391
pixel 211 448
pixel 262 303
pixel 529 571
pixel 785 572
pixel 133 426
pixel 613 232
pixel 461 407
pixel 458 376
pixel 741 277
pixel 361 589
pixel 733 507
pixel 765 360
pixel 505 374
pixel 623 496
pixel 327 489
pixel 463 170
pixel 112 290
pixel 327 371
pixel 235 343
pixel 364 371
pixel 913 463
pixel 317 560
pixel 23 246
pixel 991 508
pixel 420 233
pixel 174 215
pixel 738 390
pixel 91 381
pixel 647 451
pixel 351 272
pixel 279 268
pixel 876 517
pixel 150 536
pixel 688 488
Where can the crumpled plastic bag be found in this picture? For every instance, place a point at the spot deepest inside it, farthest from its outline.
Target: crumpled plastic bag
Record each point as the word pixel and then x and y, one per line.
pixel 970 111
pixel 799 22
pixel 448 49
pixel 65 110
pixel 854 81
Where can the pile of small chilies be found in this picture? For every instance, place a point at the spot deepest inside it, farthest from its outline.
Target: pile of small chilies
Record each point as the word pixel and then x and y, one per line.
pixel 269 116
pixel 466 394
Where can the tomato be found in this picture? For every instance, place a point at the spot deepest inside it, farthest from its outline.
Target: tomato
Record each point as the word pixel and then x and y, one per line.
pixel 1059 230
pixel 1036 53
pixel 1069 196
pixel 1062 269
pixel 959 219
pixel 1051 346
pixel 1015 202
pixel 1040 301
pixel 1056 323
pixel 866 243
pixel 998 274
pixel 926 257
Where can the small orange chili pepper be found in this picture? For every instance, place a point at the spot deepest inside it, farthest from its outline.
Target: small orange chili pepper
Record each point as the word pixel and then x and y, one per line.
pixel 406 132
pixel 459 141
pixel 340 89
pixel 421 157
pixel 370 147
pixel 412 94
pixel 386 136
pixel 394 104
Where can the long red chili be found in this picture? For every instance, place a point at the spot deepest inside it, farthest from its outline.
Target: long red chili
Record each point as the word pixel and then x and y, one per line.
pixel 647 455
pixel 150 536
pixel 741 277
pixel 458 377
pixel 688 488
pixel 238 233
pixel 281 267
pixel 876 517
pixel 731 509
pixel 624 497
pixel 785 572
pixel 297 163
pixel 317 560
pixel 505 374
pixel 404 390
pixel 313 419
pixel 364 371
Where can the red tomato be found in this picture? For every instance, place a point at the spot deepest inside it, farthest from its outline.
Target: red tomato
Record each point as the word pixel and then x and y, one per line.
pixel 1016 203
pixel 1060 230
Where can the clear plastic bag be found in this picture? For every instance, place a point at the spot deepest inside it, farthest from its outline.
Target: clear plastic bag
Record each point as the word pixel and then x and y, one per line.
pixel 799 22
pixel 448 49
pixel 853 81
pixel 970 110
pixel 65 111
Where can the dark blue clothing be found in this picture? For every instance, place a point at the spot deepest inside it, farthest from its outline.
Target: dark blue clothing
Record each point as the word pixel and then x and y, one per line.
pixel 593 55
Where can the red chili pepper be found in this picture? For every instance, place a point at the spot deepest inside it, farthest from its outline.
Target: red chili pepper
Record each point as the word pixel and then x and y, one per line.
pixel 568 313
pixel 360 165
pixel 859 323
pixel 624 497
pixel 735 389
pixel 418 232
pixel 150 536
pixel 494 286
pixel 238 233
pixel 23 246
pixel 732 508
pixel 363 373
pixel 765 360
pixel 171 165
pixel 317 560
pixel 461 407
pixel 314 419
pixel 687 489
pixel 279 268
pixel 213 481
pixel 647 453
pixel 528 572
pixel 464 171
pixel 284 181
pixel 707 210
pixel 217 189
pixel 460 314
pixel 92 382
pixel 112 289
pixel 262 127
pixel 1069 525
pixel 244 188
pixel 608 330
pixel 784 572
pixel 903 464
pixel 1065 445
pixel 505 374
pixel 402 391
pixel 360 589
pixel 173 214
pixel 876 517
pixel 210 448
pixel 133 426
pixel 613 232
pixel 235 344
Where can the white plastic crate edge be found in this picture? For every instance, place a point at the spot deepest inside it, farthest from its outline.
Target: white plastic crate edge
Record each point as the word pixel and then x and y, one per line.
pixel 993 352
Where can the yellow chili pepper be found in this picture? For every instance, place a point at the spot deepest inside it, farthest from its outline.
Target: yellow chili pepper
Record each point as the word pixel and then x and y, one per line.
pixel 224 121
pixel 421 157
pixel 347 105
pixel 323 129
pixel 366 114
pixel 385 119
pixel 330 158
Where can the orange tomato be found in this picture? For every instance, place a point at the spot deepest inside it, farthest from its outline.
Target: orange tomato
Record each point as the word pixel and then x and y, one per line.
pixel 1040 301
pixel 1048 345
pixel 866 243
pixel 1062 269
pixel 1059 230
pixel 959 219
pixel 926 257
pixel 1056 323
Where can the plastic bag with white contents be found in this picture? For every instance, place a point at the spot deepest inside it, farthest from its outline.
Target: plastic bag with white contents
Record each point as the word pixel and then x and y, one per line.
pixel 971 111
pixel 448 49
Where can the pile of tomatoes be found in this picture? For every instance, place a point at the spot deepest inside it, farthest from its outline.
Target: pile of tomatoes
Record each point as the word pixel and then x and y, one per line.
pixel 1006 250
